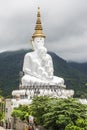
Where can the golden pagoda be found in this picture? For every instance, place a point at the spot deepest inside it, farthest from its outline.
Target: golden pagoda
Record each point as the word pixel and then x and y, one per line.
pixel 38 28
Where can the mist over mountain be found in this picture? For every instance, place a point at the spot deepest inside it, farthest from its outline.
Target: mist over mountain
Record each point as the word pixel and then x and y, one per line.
pixel 74 74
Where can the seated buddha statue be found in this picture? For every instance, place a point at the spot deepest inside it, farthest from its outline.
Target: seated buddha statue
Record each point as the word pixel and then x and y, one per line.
pixel 38 65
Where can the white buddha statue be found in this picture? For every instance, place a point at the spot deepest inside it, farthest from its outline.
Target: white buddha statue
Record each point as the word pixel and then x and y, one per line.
pixel 38 65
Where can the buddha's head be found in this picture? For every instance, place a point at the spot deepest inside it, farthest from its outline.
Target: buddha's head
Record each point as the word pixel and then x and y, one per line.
pixel 38 36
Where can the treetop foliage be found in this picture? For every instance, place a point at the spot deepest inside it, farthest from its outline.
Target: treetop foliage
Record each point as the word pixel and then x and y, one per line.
pixel 57 114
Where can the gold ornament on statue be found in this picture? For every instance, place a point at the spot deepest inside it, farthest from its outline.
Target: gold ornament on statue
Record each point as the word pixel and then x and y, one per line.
pixel 38 28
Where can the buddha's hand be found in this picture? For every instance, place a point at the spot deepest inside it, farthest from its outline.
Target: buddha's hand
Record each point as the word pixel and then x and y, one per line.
pixel 40 71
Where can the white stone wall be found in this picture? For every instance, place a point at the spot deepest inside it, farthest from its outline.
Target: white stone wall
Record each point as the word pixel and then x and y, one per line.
pixel 8 111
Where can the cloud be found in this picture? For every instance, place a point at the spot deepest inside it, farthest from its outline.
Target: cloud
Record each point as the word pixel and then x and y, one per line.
pixel 64 24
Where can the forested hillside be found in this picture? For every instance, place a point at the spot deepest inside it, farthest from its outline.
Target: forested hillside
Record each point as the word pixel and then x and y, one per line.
pixel 80 66
pixel 11 64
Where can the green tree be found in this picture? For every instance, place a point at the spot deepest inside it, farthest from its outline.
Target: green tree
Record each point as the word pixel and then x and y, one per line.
pixel 2 108
pixel 22 112
pixel 57 114
pixel 73 127
pixel 38 108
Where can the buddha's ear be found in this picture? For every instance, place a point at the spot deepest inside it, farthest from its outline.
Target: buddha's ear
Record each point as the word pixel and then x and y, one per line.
pixel 32 43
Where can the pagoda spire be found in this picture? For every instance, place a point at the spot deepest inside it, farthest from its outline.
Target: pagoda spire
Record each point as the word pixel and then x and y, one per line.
pixel 38 28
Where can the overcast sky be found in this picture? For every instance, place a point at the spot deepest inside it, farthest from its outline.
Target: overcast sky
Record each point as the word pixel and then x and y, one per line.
pixel 64 24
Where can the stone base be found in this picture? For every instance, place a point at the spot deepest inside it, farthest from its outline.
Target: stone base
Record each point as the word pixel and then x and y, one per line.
pixel 51 90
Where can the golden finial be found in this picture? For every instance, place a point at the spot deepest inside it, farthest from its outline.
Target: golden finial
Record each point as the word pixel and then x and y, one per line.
pixel 38 8
pixel 38 14
pixel 38 28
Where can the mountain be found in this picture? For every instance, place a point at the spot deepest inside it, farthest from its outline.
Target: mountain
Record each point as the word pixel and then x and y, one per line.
pixel 80 66
pixel 11 64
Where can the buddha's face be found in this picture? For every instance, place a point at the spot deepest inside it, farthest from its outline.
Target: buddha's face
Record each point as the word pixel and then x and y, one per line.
pixel 38 42
pixel 42 51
